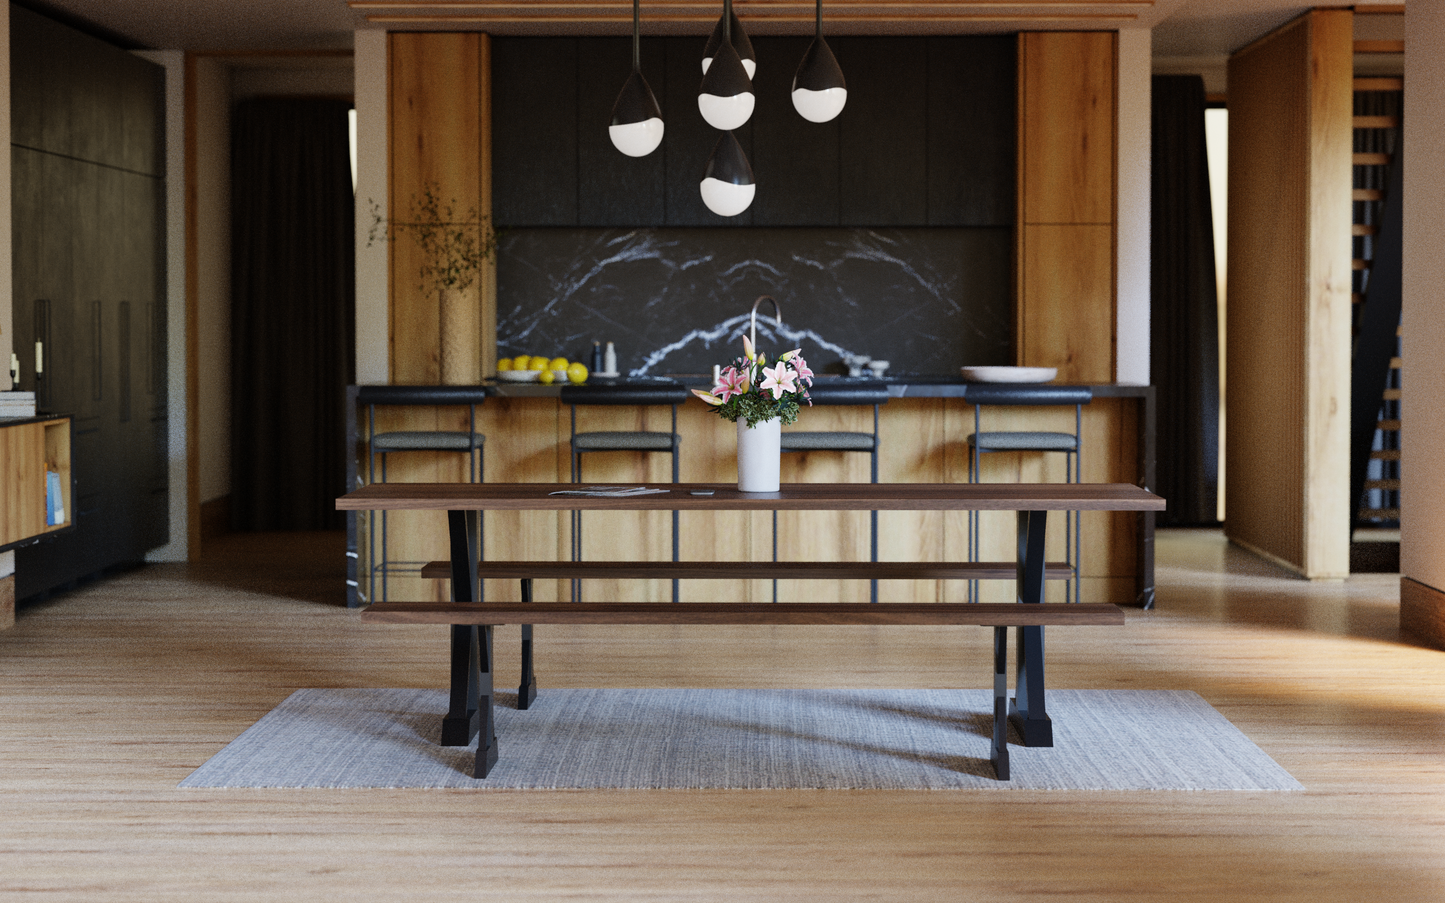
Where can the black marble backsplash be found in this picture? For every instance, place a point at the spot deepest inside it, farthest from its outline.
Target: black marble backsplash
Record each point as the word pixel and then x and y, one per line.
pixel 927 300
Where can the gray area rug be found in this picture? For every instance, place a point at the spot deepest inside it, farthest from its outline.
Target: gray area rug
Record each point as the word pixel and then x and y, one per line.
pixel 747 740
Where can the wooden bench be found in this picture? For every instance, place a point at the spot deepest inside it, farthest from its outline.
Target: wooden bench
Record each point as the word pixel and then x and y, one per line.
pixel 487 615
pixel 756 570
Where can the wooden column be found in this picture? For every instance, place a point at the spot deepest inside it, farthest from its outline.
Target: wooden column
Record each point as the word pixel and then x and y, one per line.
pixel 439 112
pixel 1067 86
pixel 1288 342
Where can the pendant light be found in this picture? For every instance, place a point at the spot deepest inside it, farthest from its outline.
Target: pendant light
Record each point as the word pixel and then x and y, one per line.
pixel 727 182
pixel 740 43
pixel 726 96
pixel 819 91
pixel 636 128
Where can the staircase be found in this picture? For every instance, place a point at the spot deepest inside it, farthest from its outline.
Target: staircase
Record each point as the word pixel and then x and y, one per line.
pixel 1376 485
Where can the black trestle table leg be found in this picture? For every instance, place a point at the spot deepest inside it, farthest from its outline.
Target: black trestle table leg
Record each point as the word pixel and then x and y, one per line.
pixel 527 690
pixel 461 721
pixel 1030 714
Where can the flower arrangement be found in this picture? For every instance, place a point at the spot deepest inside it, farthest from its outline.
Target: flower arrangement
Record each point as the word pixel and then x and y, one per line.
pixel 748 389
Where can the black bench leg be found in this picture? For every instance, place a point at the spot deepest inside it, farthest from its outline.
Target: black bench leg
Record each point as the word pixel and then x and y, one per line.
pixel 487 735
pixel 460 723
pixel 1000 703
pixel 1030 714
pixel 527 691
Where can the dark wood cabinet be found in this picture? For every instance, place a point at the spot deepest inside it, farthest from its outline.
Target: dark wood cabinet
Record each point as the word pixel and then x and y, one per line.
pixel 534 131
pixel 88 214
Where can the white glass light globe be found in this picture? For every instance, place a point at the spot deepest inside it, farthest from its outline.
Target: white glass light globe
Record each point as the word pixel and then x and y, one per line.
pixel 819 106
pixel 637 139
pixel 726 113
pixel 725 198
pixel 749 66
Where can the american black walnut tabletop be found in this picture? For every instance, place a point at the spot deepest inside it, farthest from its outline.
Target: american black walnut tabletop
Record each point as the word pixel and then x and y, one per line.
pixel 726 497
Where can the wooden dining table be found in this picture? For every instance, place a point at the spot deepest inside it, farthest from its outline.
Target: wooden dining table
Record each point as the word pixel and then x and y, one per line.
pixel 463 504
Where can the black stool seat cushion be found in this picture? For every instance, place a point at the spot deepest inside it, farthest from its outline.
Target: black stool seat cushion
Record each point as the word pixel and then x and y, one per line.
pixel 827 441
pixel 416 440
pixel 1026 441
pixel 622 441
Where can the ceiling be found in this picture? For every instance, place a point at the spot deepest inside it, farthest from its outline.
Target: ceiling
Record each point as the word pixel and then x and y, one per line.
pixel 1181 28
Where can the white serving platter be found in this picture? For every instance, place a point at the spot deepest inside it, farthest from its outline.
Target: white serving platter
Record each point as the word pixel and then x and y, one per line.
pixel 518 376
pixel 1009 374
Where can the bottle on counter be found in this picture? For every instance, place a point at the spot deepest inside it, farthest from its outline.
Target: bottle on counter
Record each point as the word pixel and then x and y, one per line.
pixel 609 360
pixel 596 357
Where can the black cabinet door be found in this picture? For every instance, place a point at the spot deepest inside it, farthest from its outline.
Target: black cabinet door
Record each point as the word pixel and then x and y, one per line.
pixel 534 132
pixel 883 158
pixel 971 130
pixel 795 161
pixel 614 189
pixel 88 217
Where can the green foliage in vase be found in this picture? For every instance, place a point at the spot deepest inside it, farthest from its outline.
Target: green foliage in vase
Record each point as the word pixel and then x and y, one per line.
pixel 454 245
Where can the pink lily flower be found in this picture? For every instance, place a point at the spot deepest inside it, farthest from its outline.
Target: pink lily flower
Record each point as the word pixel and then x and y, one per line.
pixel 730 383
pixel 709 398
pixel 779 380
pixel 748 348
pixel 800 366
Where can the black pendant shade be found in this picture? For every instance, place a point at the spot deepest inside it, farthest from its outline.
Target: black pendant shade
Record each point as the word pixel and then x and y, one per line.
pixel 727 181
pixel 637 125
pixel 819 69
pixel 819 91
pixel 726 96
pixel 740 42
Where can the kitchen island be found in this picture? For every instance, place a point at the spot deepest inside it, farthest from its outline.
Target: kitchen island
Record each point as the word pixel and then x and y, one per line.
pixel 924 428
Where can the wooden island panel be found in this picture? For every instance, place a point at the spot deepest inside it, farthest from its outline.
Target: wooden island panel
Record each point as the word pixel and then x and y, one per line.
pixel 923 441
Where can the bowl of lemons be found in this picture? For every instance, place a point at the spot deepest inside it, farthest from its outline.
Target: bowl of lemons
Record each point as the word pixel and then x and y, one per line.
pixel 527 368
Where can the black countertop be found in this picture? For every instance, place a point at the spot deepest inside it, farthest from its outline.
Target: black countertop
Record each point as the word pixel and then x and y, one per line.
pixel 901 386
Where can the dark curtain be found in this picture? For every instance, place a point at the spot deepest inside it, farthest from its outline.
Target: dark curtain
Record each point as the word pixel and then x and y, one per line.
pixel 292 311
pixel 1184 347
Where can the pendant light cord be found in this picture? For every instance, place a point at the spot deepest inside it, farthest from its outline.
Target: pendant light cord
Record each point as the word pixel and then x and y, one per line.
pixel 728 21
pixel 637 33
pixel 819 32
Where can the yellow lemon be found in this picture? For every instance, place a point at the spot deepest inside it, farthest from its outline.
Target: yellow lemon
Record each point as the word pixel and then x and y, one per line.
pixel 546 377
pixel 557 363
pixel 538 363
pixel 504 364
pixel 576 373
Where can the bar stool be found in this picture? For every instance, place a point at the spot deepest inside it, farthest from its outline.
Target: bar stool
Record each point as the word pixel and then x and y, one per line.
pixel 663 392
pixel 471 443
pixel 843 393
pixel 980 442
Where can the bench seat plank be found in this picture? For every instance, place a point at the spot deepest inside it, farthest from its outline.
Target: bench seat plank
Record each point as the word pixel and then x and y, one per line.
pixel 1004 614
pixel 752 570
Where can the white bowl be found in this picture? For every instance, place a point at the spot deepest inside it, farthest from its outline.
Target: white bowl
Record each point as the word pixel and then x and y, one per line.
pixel 518 376
pixel 1009 374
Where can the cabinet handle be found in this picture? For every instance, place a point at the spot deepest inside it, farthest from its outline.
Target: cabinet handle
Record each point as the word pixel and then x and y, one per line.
pixel 39 357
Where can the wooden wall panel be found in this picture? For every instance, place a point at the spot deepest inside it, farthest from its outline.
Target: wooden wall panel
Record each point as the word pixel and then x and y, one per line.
pixel 1065 241
pixel 1067 125
pixel 1288 342
pixel 1068 284
pixel 438 100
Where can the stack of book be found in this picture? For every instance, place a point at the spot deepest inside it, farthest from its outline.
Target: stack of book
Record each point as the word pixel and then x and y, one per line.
pixel 17 404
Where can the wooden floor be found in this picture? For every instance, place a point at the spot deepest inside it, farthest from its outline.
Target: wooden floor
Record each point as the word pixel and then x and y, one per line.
pixel 113 693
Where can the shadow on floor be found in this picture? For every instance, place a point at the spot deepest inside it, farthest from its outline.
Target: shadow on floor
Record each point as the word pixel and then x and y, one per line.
pixel 307 566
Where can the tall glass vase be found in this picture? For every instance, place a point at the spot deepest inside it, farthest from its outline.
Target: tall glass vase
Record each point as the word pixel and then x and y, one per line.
pixel 759 455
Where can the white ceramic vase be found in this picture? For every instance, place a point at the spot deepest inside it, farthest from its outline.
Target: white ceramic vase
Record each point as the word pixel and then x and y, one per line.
pixel 759 455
